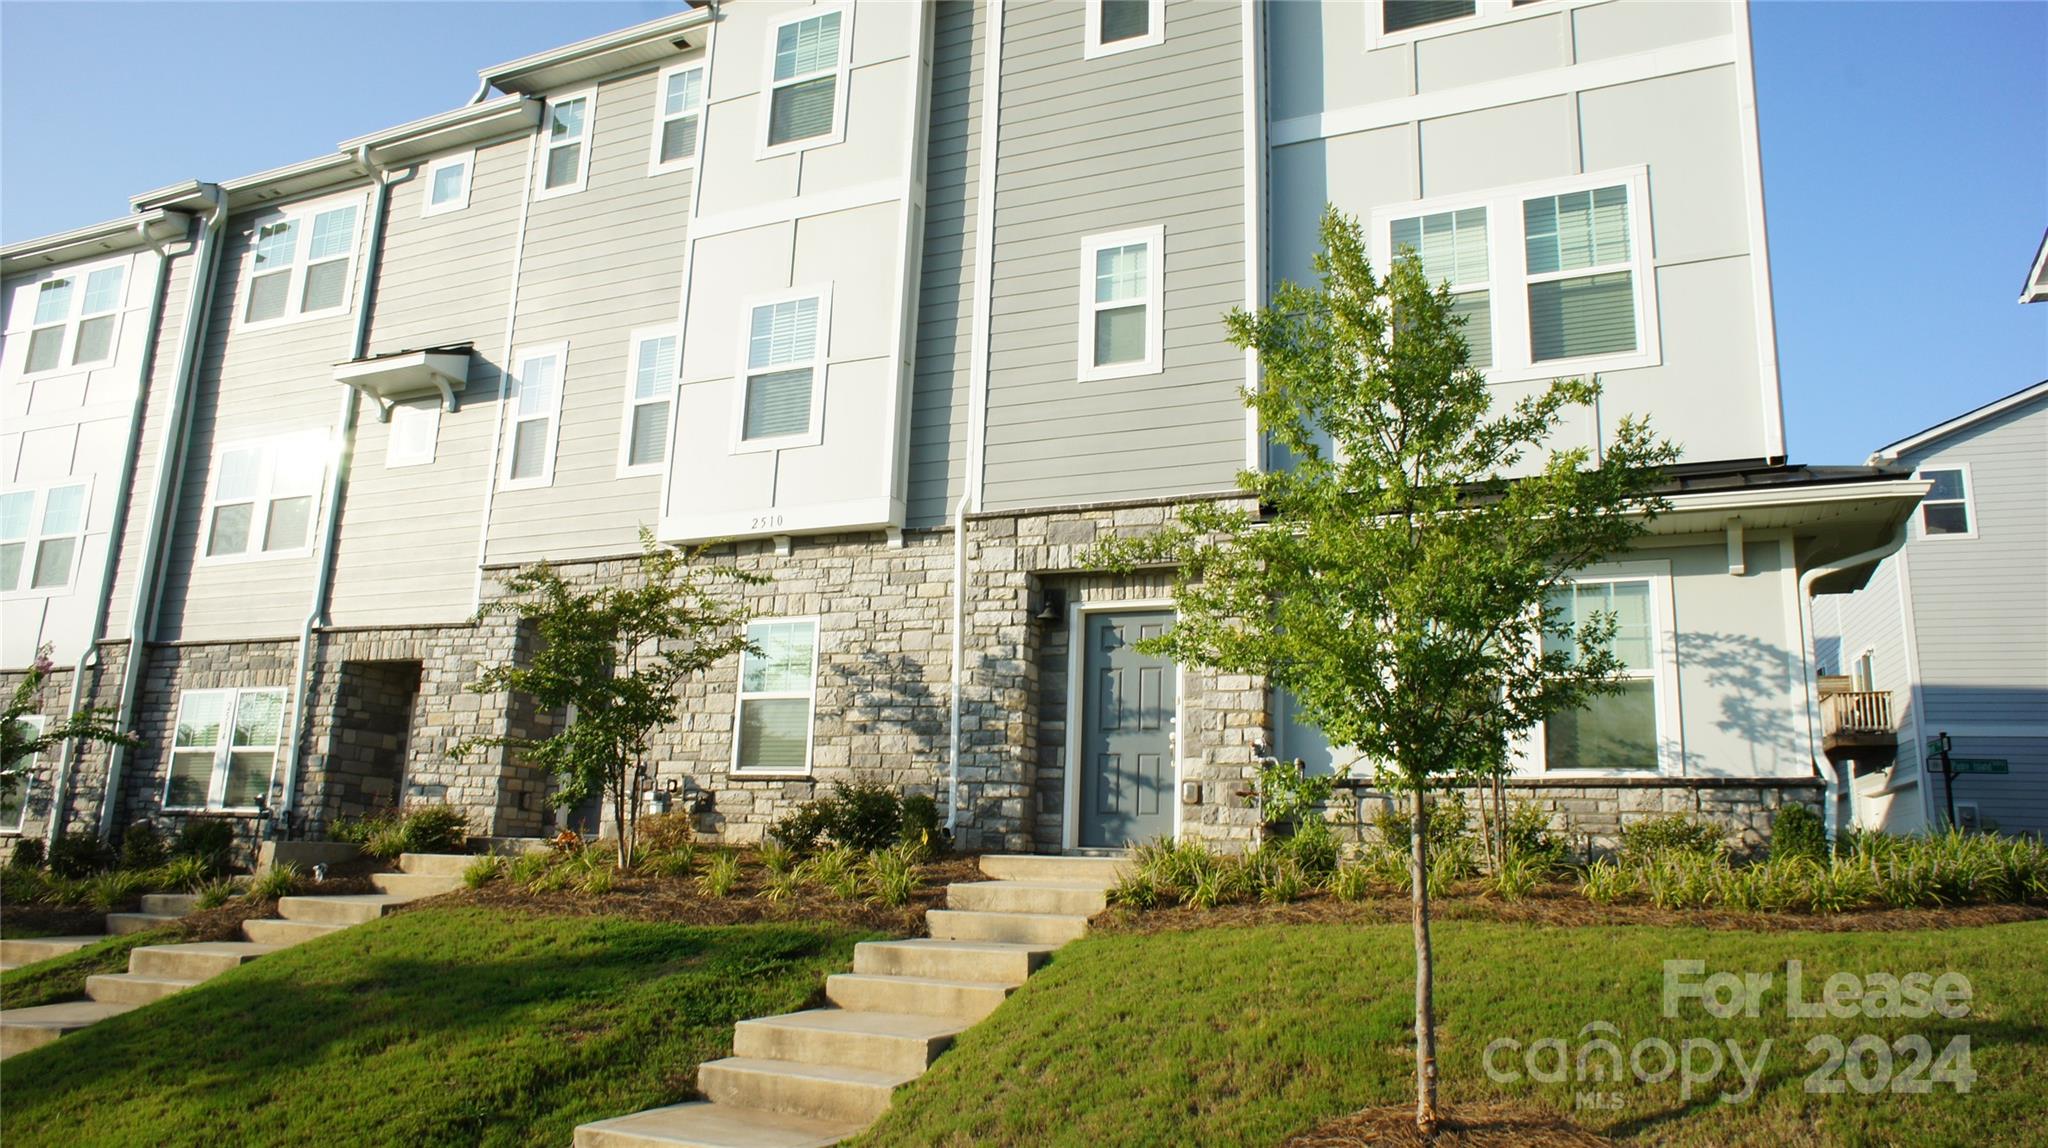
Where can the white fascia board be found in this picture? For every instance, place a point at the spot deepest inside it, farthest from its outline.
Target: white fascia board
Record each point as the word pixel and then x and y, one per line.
pixel 597 56
pixel 1891 452
pixel 97 241
pixel 470 124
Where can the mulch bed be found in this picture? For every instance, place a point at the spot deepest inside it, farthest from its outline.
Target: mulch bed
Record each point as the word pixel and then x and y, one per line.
pixel 53 921
pixel 641 897
pixel 1557 907
pixel 1466 1126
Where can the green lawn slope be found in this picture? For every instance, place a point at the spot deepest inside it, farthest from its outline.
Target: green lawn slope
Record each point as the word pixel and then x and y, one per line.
pixel 1244 1036
pixel 438 1026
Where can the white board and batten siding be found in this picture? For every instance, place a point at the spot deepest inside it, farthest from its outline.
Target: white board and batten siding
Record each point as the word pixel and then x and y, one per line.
pixel 65 427
pixel 1148 137
pixel 835 220
pixel 1547 95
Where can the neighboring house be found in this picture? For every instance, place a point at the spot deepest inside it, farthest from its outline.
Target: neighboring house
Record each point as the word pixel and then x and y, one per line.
pixel 913 303
pixel 1952 632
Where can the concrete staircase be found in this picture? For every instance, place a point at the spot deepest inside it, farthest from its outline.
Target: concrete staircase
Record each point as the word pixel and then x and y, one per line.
pixel 157 971
pixel 813 1078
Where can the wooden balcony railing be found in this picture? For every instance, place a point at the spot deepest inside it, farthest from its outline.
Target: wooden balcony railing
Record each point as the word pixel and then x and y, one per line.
pixel 1857 712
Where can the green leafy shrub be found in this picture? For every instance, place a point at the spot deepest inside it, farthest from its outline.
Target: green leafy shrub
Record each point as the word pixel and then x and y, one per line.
pixel 483 871
pixel 1797 831
pixel 801 829
pixel 1289 795
pixel 1772 886
pixel 528 868
pixel 775 858
pixel 597 880
pixel 1283 882
pixel 721 875
pixel 1448 827
pixel 1135 890
pixel 211 839
pixel 677 862
pixel 142 847
pixel 1656 837
pixel 1314 848
pixel 1682 879
pixel 216 892
pixel 78 855
pixel 1529 835
pixel 435 829
pixel 28 854
pixel 1840 888
pixel 836 871
pixel 1353 881
pixel 665 832
pixel 891 875
pixel 21 886
pixel 782 887
pixel 869 817
pixel 922 829
pixel 1606 882
pixel 184 874
pixel 1520 875
pixel 280 880
pixel 117 889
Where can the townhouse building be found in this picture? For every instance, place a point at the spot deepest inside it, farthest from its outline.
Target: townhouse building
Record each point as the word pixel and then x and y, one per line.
pixel 903 306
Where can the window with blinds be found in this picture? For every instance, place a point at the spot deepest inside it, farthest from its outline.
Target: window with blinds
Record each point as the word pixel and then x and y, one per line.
pixel 565 162
pixel 1582 298
pixel 1401 15
pixel 1614 731
pixel 224 749
pixel 803 92
pixel 650 386
pixel 447 184
pixel 782 369
pixel 772 729
pixel 301 263
pixel 1452 246
pixel 534 393
pixel 41 532
pixel 1121 25
pixel 675 127
pixel 1120 304
pixel 75 321
pixel 260 496
pixel 1946 508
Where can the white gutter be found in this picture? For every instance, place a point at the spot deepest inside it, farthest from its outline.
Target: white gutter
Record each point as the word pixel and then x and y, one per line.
pixel 984 251
pixel 89 657
pixel 170 471
pixel 483 532
pixel 1808 656
pixel 959 661
pixel 337 484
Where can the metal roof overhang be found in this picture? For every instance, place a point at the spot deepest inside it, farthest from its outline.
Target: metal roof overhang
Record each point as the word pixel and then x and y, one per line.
pixel 464 127
pixel 646 43
pixel 95 242
pixel 1830 520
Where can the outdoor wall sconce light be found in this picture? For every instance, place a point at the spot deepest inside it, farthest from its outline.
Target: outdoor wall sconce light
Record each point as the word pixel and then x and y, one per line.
pixel 1054 610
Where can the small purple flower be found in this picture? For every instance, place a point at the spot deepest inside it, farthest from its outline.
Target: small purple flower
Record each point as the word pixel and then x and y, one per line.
pixel 43 664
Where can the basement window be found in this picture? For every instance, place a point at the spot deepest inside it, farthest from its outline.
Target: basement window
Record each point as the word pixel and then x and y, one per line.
pixel 224 750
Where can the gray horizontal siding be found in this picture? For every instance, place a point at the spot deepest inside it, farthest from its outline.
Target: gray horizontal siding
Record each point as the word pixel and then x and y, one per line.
pixel 129 556
pixel 945 318
pixel 1142 138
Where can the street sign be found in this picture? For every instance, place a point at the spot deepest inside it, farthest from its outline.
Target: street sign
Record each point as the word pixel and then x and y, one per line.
pixel 1980 765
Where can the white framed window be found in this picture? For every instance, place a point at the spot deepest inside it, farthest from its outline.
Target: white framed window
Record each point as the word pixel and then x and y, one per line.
pixel 1947 511
pixel 679 95
pixel 224 750
pixel 301 263
pixel 1121 25
pixel 805 104
pixel 1553 278
pixel 42 532
pixel 1391 22
pixel 1637 729
pixel 781 391
pixel 446 183
pixel 650 396
pixel 565 150
pixel 534 415
pixel 262 498
pixel 14 799
pixel 415 431
pixel 76 319
pixel 778 685
pixel 1123 280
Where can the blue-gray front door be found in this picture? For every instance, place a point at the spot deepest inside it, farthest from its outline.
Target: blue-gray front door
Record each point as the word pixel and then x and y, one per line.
pixel 1127 734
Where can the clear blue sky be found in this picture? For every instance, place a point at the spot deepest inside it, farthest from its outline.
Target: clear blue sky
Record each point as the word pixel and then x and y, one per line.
pixel 1905 157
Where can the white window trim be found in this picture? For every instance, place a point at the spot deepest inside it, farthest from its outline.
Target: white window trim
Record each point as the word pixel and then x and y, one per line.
pixel 67 345
pixel 1531 752
pixel 259 513
pixel 547 471
pixel 821 354
pixel 1154 361
pixel 395 459
pixel 547 118
pixel 38 722
pixel 1092 46
pixel 1969 501
pixel 33 541
pixel 631 402
pixel 840 93
pixel 662 120
pixel 216 785
pixel 742 696
pixel 1507 267
pixel 467 161
pixel 1486 13
pixel 303 214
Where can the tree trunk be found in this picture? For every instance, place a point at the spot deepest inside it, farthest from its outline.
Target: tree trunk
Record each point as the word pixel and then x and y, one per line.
pixel 623 808
pixel 1425 1006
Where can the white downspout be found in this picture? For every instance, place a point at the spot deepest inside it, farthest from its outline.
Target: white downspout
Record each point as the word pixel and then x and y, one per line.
pixel 337 483
pixel 170 473
pixel 959 661
pixel 1809 657
pixel 89 657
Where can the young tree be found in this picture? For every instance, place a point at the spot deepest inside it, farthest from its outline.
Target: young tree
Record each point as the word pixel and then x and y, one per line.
pixel 21 742
pixel 1398 581
pixel 614 655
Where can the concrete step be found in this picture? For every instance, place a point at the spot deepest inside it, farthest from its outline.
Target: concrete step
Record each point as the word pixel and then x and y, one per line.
pixel 950 960
pixel 134 988
pixel 28 950
pixel 436 864
pixel 820 1091
pixel 413 885
pixel 1016 928
pixel 24 1028
pixel 341 909
pixel 1073 898
pixel 884 1041
pixel 272 931
pixel 705 1125
pixel 122 924
pixel 174 904
pixel 1103 870
pixel 967 1001
pixel 196 961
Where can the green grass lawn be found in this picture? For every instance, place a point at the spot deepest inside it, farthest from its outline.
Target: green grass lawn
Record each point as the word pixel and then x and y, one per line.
pixel 439 1026
pixel 63 977
pixel 1243 1036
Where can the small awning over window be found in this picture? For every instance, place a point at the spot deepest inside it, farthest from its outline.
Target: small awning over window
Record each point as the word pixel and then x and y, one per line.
pixel 386 379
